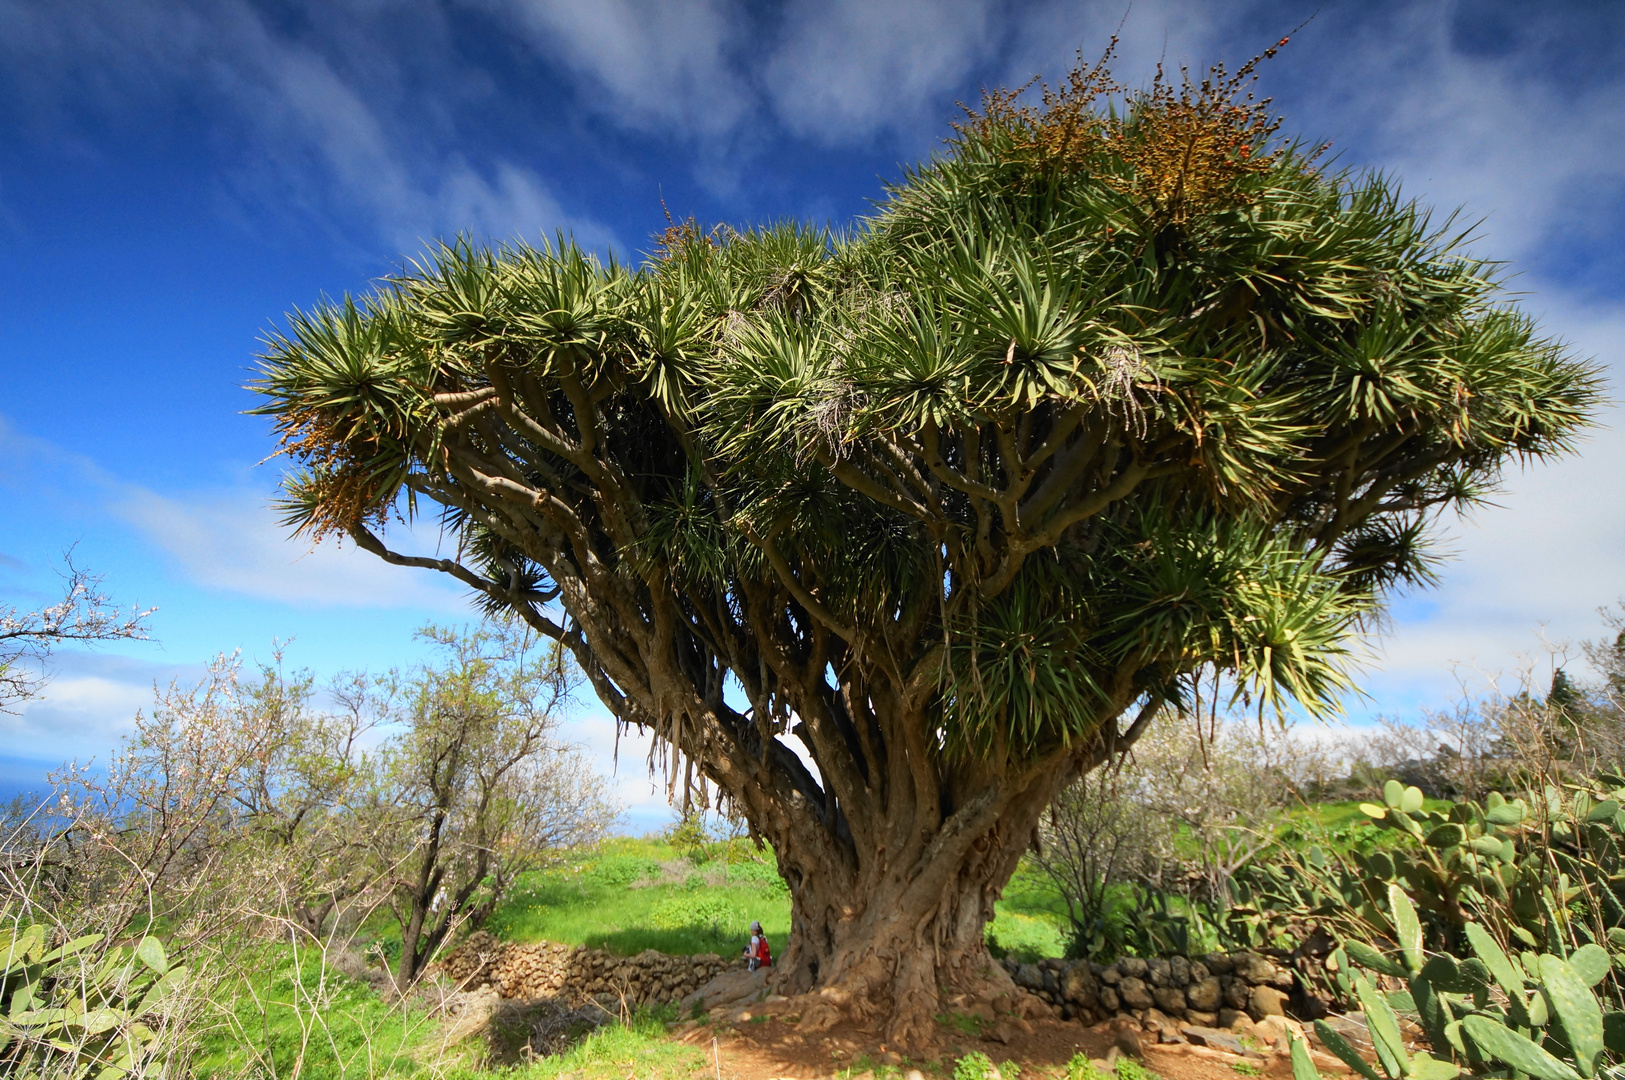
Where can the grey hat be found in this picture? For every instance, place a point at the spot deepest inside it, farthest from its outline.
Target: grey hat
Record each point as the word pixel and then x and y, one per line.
pixel 755 927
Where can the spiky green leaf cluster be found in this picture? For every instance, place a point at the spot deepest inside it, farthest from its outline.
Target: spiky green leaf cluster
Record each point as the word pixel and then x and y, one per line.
pixel 1013 434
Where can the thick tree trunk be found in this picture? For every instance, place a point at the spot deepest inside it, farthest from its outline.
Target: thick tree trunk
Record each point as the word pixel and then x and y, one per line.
pixel 895 937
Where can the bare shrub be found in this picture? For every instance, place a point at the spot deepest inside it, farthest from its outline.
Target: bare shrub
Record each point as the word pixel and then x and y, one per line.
pixel 84 614
pixel 1194 801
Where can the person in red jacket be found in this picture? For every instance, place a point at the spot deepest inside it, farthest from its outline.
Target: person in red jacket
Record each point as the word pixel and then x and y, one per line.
pixel 757 954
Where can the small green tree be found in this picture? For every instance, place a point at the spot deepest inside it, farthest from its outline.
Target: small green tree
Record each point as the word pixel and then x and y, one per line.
pixel 475 788
pixel 959 499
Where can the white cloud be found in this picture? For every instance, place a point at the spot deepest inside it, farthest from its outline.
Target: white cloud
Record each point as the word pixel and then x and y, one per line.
pixel 1488 132
pixel 88 704
pixel 231 540
pixel 1049 39
pixel 313 135
pixel 847 69
pixel 1541 562
pixel 659 66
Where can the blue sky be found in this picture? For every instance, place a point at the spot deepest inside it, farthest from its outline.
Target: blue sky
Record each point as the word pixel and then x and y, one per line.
pixel 175 175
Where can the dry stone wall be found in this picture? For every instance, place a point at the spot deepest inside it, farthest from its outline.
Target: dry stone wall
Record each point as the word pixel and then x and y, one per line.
pixel 1210 991
pixel 575 973
pixel 1207 991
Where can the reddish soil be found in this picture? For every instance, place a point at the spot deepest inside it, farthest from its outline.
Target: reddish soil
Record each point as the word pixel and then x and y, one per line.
pixel 768 1048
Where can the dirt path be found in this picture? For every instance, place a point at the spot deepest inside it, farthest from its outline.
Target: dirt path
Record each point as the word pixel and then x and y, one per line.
pixel 768 1048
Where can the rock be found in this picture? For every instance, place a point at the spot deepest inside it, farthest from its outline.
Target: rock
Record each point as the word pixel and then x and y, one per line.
pixel 1208 1036
pixel 1218 963
pixel 1111 976
pixel 736 987
pixel 1199 971
pixel 1238 995
pixel 1079 986
pixel 1170 999
pixel 1027 977
pixel 1128 1042
pixel 1257 970
pixel 1202 1019
pixel 1032 1007
pixel 1166 1028
pixel 1051 984
pixel 1135 994
pixel 1179 971
pixel 1238 1022
pixel 1283 1028
pixel 1109 999
pixel 1266 1001
pixel 1206 995
pixel 1132 966
pixel 914 1074
pixel 1157 972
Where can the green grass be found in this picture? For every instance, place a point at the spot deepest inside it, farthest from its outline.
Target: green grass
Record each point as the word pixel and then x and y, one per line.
pixel 641 1048
pixel 1029 920
pixel 285 1014
pixel 641 894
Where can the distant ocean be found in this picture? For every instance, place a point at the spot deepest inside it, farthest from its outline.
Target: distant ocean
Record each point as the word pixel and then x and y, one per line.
pixel 22 776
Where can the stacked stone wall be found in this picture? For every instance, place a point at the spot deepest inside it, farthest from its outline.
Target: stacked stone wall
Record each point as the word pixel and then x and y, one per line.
pixel 548 969
pixel 1207 991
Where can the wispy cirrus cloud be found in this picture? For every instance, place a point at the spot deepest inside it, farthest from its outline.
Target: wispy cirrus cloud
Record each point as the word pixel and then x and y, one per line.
pixel 309 126
pixel 229 539
pixel 1522 146
pixel 669 68
pixel 848 70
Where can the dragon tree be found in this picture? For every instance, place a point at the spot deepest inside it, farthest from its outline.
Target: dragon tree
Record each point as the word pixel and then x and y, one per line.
pixel 890 533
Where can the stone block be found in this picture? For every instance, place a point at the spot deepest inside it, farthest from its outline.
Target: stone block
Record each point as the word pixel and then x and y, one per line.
pixel 1238 995
pixel 1079 986
pixel 1206 995
pixel 1266 1001
pixel 1135 993
pixel 1170 999
pixel 1202 1035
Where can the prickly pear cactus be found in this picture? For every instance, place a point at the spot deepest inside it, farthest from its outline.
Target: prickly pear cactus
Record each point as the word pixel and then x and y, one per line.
pixel 1533 1014
pixel 82 1009
pixel 1544 872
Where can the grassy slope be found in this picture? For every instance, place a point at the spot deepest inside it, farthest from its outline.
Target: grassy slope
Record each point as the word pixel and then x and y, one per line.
pixel 635 894
pixel 283 1014
pixel 642 894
